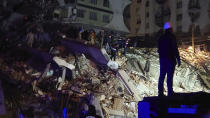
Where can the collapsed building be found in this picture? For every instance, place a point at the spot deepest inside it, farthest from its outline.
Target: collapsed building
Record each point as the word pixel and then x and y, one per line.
pixel 112 93
pixel 79 83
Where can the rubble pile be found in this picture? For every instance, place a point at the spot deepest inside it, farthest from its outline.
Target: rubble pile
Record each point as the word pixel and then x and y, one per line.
pixel 86 81
pixel 143 68
pixel 38 98
pixel 109 90
pixel 138 71
pixel 198 59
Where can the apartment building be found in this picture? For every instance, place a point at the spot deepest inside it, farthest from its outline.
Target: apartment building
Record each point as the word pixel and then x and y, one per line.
pixel 183 15
pixel 99 14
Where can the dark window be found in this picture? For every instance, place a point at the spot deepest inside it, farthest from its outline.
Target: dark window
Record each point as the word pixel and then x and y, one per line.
pixel 137 9
pixel 158 19
pixel 81 13
pixel 106 3
pixel 138 1
pixel 147 36
pixel 139 21
pixel 191 14
pixel 179 28
pixel 69 1
pixel 147 26
pixel 147 4
pixel 93 15
pixel 93 2
pixel 137 30
pixel 179 5
pixel 106 18
pixel 147 14
pixel 194 4
pixel 209 7
pixel 197 30
pixel 179 17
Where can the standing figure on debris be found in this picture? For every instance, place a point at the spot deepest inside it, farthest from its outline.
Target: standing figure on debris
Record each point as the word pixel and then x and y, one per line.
pixel 113 51
pixel 101 38
pixel 80 33
pixel 135 43
pixel 30 39
pixel 92 38
pixel 107 44
pixel 126 46
pixel 168 57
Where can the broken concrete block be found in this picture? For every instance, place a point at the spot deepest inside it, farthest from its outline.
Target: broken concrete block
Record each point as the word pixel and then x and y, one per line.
pixel 102 97
pixel 118 103
pixel 76 89
pixel 63 63
pixel 95 80
pixel 114 112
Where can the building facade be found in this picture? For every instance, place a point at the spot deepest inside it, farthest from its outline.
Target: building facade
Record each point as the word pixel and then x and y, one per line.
pixel 140 18
pixel 101 14
pixel 183 15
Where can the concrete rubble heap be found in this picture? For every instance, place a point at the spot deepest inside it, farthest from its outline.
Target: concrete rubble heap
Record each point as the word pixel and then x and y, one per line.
pixel 143 68
pixel 141 71
pixel 87 80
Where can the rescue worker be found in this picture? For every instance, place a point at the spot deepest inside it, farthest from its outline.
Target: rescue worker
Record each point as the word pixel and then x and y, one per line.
pixel 107 43
pixel 92 38
pixel 168 57
pixel 30 39
pixel 126 46
pixel 113 52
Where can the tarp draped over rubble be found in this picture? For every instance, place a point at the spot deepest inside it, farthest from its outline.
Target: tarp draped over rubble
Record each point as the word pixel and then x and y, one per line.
pixel 94 54
pixel 39 59
pixel 75 47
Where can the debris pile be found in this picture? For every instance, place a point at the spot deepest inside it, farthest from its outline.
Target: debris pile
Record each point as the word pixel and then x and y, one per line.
pixel 117 93
pixel 143 68
pixel 199 59
pixel 86 81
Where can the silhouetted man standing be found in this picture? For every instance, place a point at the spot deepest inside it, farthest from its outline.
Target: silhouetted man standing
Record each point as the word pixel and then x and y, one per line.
pixel 169 57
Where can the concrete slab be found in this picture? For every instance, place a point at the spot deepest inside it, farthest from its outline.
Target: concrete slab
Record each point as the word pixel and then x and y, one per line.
pixel 133 89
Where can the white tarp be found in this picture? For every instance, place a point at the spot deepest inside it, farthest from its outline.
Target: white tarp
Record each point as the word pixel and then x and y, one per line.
pixel 113 65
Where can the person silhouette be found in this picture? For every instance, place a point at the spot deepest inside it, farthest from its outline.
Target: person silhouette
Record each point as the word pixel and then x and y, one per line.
pixel 168 57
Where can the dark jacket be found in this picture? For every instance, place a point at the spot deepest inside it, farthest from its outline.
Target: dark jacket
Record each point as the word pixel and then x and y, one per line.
pixel 167 47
